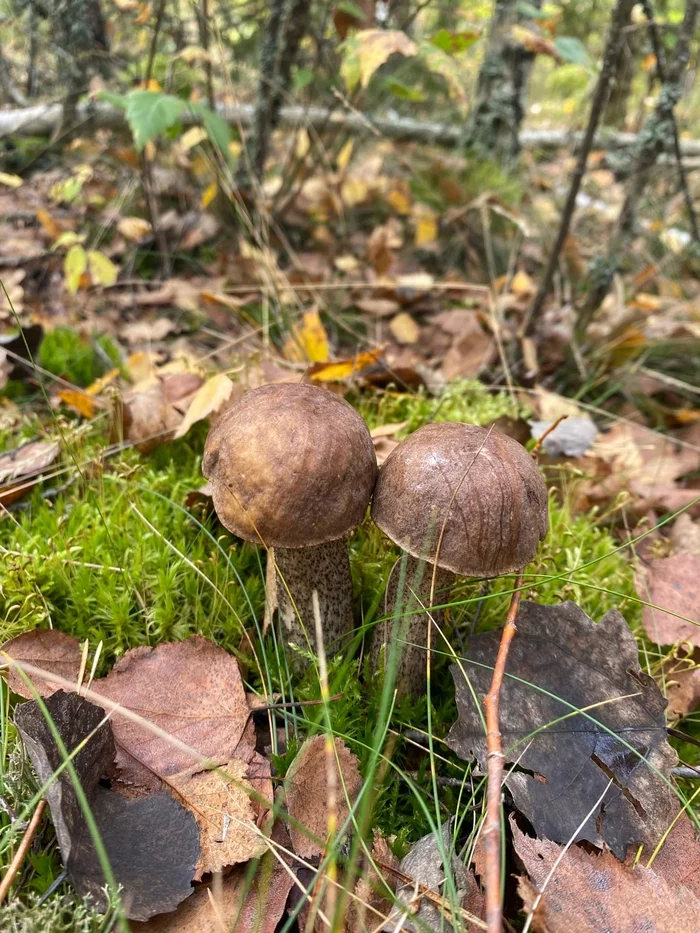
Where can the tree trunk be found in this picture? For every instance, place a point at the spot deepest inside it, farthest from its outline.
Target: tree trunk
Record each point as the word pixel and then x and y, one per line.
pixel 656 137
pixel 501 87
pixel 615 113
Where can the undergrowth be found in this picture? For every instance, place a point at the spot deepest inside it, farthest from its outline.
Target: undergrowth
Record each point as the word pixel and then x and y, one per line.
pixel 118 551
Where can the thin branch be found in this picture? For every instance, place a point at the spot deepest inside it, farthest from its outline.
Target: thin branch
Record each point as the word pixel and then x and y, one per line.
pixel 620 17
pixel 22 850
pixel 494 764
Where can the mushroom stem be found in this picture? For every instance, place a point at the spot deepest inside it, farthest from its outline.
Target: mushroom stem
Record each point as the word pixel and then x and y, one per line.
pixel 409 631
pixel 293 574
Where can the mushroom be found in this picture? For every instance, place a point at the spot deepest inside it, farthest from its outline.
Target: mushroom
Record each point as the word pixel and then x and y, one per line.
pixel 460 500
pixel 292 467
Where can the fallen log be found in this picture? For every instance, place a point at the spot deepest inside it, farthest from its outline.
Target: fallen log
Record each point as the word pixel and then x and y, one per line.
pixel 42 120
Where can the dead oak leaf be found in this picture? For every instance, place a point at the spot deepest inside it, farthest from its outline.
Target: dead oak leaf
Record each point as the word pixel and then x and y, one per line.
pixel 52 651
pixel 221 803
pixel 589 893
pixel 672 583
pixel 615 749
pixel 21 468
pixel 306 793
pixel 192 690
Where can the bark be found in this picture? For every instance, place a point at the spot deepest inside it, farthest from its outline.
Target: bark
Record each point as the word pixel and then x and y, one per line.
pixel 501 87
pixel 615 113
pixel 405 630
pixel 620 16
pixel 655 138
pixel 293 575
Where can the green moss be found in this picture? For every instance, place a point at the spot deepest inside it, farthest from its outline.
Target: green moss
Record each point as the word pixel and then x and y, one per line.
pixel 65 353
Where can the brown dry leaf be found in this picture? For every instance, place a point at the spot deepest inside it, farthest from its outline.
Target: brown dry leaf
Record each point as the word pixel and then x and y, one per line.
pixel 381 243
pixel 671 583
pixel 683 693
pixel 678 860
pixel 147 331
pixel 378 307
pixel 384 440
pixel 472 348
pixel 12 280
pixel 589 893
pixel 221 804
pixel 372 903
pixel 374 47
pixel 209 399
pixel 21 468
pixel 562 785
pixel 306 793
pixel 149 419
pixel 49 649
pixel 134 228
pixel 404 329
pixel 193 691
pixel 685 535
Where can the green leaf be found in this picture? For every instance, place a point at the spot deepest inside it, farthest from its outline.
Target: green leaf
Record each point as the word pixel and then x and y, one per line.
pixel 302 78
pixel 218 130
pixel 451 69
pixel 116 100
pixel 402 91
pixel 102 269
pixel 74 265
pixel 352 9
pixel 454 42
pixel 572 50
pixel 150 113
pixel 530 11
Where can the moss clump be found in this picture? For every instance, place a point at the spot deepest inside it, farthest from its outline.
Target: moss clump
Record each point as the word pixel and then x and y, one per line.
pixel 65 353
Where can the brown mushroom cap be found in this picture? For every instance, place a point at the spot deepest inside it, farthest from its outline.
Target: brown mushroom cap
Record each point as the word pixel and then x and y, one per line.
pixel 291 465
pixel 485 489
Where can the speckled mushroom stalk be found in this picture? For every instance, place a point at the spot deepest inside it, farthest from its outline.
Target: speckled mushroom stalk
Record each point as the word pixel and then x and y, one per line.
pixel 467 499
pixel 293 468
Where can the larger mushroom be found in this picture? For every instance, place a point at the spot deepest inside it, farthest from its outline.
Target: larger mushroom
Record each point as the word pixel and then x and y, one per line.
pixel 461 500
pixel 292 467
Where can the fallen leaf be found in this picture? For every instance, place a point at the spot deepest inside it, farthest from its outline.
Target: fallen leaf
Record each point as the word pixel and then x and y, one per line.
pixel 523 285
pixel 210 715
pixel 424 864
pixel 308 341
pixel 149 419
pixel 685 535
pixel 209 399
pixel 152 843
pixel 147 331
pixel 404 329
pixel 74 265
pixel 306 793
pixel 379 307
pixel 589 893
pixel 12 293
pixel 678 859
pixel 21 468
pixel 426 226
pixel 471 349
pixel 344 370
pixel 565 764
pixel 102 270
pixel 381 245
pixel 83 403
pixel 52 651
pixel 221 804
pixel 371 903
pixel 384 440
pixel 12 181
pixel 571 437
pixel 682 692
pixel 671 583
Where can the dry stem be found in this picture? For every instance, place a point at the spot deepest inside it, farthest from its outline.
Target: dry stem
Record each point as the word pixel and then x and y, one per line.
pixel 494 760
pixel 21 852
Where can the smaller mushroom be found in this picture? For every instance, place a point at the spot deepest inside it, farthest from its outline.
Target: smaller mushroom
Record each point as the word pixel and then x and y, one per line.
pixel 461 500
pixel 292 467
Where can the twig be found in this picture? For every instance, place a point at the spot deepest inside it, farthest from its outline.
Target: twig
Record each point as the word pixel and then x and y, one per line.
pixel 204 41
pixel 154 42
pixel 22 850
pixel 494 764
pixel 661 72
pixel 620 16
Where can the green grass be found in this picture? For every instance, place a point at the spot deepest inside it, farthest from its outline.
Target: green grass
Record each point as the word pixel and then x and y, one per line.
pixel 116 557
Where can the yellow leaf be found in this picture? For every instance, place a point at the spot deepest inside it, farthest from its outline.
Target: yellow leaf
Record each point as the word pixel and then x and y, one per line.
pixel 102 269
pixel 99 385
pixel 193 137
pixel 134 228
pixel 48 224
pixel 141 366
pixel 522 285
pixel 426 226
pixel 208 195
pixel 209 398
pixel 69 238
pixel 78 400
pixel 451 69
pixel 353 191
pixel 569 105
pixel 309 341
pixel 368 51
pixel 400 200
pixel 344 156
pixel 342 370
pixel 12 181
pixel 649 62
pixel 74 265
pixel 141 20
pixel 346 263
pixel 302 144
pixel 404 328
